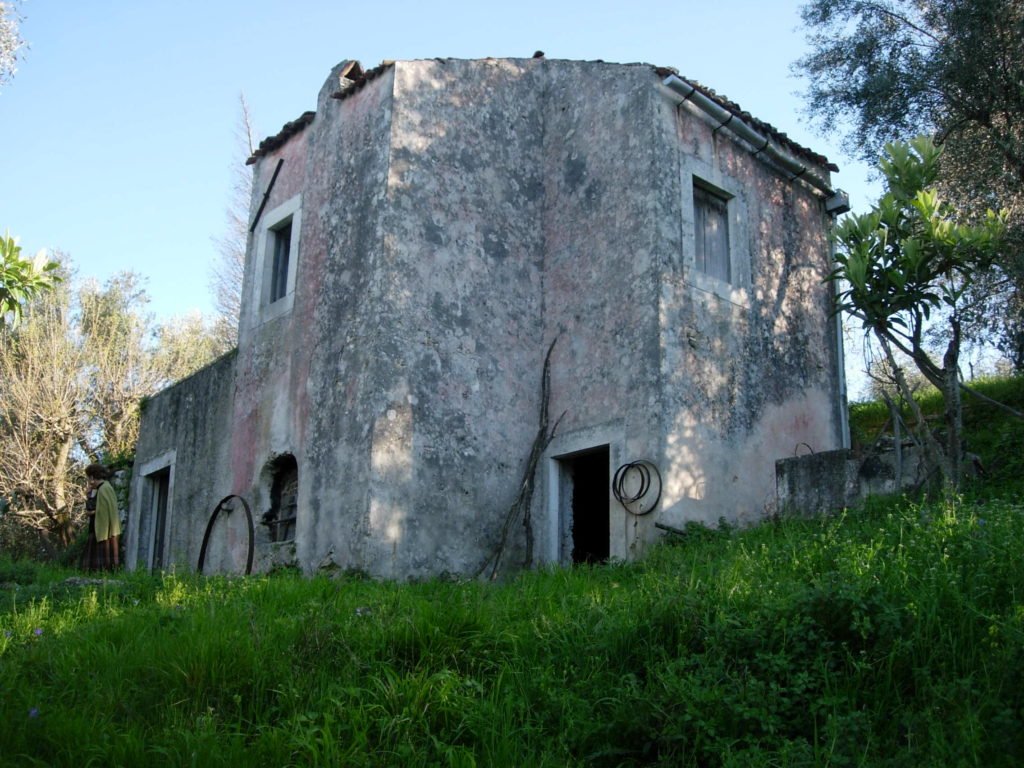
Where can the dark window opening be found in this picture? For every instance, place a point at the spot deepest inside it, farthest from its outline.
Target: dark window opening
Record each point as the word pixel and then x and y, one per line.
pixel 284 492
pixel 160 486
pixel 591 526
pixel 282 243
pixel 711 225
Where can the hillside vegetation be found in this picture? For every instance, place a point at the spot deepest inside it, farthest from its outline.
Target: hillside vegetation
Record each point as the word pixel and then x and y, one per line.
pixel 994 437
pixel 888 635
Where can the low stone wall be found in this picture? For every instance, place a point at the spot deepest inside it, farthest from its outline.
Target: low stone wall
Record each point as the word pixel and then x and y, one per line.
pixel 832 480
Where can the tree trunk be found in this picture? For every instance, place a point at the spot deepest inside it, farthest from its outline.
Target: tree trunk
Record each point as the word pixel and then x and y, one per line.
pixel 62 515
pixel 934 455
pixel 954 411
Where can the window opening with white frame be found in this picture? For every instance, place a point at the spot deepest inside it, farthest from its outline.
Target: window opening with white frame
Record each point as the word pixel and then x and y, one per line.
pixel 276 267
pixel 282 246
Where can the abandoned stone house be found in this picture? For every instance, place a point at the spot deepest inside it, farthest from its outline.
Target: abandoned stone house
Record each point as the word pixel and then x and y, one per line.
pixel 417 245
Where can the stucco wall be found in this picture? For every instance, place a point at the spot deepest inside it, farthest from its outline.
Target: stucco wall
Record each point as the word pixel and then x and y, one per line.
pixel 819 483
pixel 750 370
pixel 186 429
pixel 604 252
pixel 710 381
pixel 458 314
pixel 458 216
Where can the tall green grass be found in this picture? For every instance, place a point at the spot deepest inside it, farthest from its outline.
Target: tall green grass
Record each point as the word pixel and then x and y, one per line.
pixel 890 635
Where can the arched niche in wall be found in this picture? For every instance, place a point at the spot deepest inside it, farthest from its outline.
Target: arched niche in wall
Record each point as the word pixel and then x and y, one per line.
pixel 281 478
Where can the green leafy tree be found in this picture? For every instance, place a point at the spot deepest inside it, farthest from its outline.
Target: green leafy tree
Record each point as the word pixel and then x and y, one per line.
pixel 21 279
pixel 911 261
pixel 72 376
pixel 885 69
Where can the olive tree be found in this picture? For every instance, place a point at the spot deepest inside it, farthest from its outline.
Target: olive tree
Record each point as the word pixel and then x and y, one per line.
pixel 72 376
pixel 885 69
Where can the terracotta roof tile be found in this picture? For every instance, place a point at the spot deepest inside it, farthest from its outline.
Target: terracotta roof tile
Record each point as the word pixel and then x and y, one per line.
pixel 271 143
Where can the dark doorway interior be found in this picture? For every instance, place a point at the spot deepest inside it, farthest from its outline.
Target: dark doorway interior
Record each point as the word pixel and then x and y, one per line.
pixel 591 530
pixel 160 484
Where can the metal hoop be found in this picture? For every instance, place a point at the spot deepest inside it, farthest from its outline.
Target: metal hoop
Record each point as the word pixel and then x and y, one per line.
pixel 209 529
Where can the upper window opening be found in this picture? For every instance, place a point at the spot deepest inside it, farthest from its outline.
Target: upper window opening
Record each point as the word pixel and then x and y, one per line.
pixel 282 241
pixel 711 224
pixel 276 262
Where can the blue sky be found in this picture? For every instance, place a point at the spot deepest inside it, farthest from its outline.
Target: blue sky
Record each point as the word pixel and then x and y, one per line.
pixel 117 134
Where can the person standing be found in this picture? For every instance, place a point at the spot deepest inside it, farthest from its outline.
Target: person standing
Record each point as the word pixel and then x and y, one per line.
pixel 101 504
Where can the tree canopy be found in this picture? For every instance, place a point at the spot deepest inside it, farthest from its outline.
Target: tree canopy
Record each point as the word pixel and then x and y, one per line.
pixel 884 70
pixel 10 39
pixel 72 376
pixel 894 68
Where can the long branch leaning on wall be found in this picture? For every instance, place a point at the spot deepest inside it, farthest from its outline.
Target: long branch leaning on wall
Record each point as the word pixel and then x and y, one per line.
pixel 522 503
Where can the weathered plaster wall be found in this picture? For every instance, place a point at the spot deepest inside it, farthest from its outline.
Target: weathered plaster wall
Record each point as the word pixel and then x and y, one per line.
pixel 603 209
pixel 601 262
pixel 750 369
pixel 307 377
pixel 186 428
pixel 341 399
pixel 819 483
pixel 457 312
pixel 265 418
pixel 711 381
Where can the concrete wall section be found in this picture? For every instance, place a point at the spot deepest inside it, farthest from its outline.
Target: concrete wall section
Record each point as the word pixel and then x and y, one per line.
pixel 184 442
pixel 336 344
pixel 603 254
pixel 459 313
pixel 830 481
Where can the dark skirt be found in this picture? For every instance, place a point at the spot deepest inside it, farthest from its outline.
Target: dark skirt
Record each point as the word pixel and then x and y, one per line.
pixel 93 556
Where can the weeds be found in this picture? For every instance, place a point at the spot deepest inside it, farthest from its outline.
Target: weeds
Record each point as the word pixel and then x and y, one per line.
pixel 889 635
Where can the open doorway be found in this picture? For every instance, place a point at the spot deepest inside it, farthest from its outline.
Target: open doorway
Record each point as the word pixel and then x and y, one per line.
pixel 584 501
pixel 158 486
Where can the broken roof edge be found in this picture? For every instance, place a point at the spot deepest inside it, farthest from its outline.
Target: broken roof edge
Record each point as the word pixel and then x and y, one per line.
pixel 352 78
pixel 279 139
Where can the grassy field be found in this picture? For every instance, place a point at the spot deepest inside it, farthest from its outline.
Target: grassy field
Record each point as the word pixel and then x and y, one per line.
pixel 890 635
